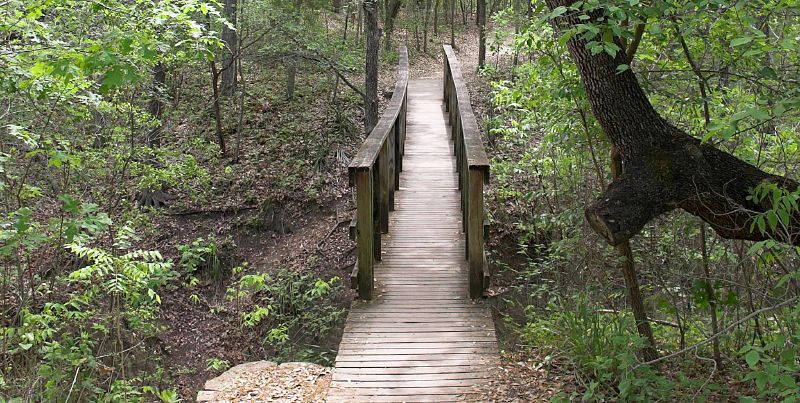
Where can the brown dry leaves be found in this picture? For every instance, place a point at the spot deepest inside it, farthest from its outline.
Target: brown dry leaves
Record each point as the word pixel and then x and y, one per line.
pixel 265 381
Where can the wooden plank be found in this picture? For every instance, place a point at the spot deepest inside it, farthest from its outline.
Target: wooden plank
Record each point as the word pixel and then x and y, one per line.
pixel 486 361
pixel 334 397
pixel 466 357
pixel 444 370
pixel 372 377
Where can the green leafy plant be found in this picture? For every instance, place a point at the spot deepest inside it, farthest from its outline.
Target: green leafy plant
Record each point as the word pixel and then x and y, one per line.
pixel 111 308
pixel 290 310
pixel 204 256
pixel 216 364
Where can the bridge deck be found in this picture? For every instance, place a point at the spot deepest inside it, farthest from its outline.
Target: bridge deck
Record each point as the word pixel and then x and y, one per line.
pixel 421 338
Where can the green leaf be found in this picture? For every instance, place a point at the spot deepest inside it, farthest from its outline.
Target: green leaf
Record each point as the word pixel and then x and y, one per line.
pixel 558 11
pixel 751 358
pixel 624 387
pixel 772 220
pixel 741 41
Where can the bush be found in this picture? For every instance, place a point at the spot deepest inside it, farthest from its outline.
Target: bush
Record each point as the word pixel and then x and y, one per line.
pixel 290 311
pixel 84 345
pixel 601 346
pixel 204 257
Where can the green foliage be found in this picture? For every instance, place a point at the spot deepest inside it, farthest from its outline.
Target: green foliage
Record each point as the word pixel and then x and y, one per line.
pixel 603 348
pixel 204 256
pixel 216 364
pixel 57 350
pixel 291 311
pixel 773 367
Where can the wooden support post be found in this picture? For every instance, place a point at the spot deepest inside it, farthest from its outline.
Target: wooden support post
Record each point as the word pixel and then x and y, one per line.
pixel 475 231
pixel 364 232
pixel 376 211
pixel 393 175
pixel 383 183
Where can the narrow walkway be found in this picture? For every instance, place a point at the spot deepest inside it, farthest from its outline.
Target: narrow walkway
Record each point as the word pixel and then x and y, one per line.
pixel 421 338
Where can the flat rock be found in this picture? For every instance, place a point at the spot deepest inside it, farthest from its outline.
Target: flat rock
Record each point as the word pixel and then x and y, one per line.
pixel 267 381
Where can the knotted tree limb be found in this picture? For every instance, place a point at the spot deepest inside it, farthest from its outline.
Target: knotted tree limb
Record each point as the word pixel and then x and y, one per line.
pixel 665 168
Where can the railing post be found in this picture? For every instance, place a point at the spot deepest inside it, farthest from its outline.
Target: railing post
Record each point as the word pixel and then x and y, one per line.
pixel 398 153
pixel 364 232
pixel 383 184
pixel 392 152
pixel 376 210
pixel 475 233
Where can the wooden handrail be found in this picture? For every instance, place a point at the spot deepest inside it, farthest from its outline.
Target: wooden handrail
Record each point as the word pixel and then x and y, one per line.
pixel 375 172
pixel 473 169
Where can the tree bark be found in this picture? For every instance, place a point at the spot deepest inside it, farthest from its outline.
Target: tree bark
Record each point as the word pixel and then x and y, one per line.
pixel 664 167
pixel 436 18
pixel 392 9
pixel 632 282
pixel 481 19
pixel 156 104
pixel 425 26
pixel 371 66
pixel 215 106
pixel 230 38
pixel 291 74
pixel 453 23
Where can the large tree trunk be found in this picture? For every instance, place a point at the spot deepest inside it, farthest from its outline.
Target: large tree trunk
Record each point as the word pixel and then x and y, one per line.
pixel 663 167
pixel 371 66
pixel 230 37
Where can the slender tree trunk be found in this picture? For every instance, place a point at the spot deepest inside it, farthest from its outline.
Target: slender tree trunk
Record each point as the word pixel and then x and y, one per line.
pixel 230 38
pixel 481 17
pixel 291 74
pixel 156 104
pixel 415 16
pixel 425 26
pixel 436 18
pixel 631 282
pixel 371 65
pixel 710 294
pixel 452 23
pixel 346 21
pixel 215 105
pixel 360 27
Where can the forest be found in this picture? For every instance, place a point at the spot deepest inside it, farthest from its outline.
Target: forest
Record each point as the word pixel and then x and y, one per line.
pixel 175 197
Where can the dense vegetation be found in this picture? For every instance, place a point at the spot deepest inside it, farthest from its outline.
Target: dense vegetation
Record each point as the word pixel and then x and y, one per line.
pixel 173 190
pixel 723 313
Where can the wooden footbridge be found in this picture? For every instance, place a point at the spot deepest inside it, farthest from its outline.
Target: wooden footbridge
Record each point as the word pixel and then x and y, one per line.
pixel 419 331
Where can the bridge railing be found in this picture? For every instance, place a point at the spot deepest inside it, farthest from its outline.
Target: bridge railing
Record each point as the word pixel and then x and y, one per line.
pixel 375 173
pixel 473 170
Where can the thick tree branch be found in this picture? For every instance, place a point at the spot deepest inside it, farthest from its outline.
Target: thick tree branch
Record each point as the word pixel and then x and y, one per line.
pixel 664 167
